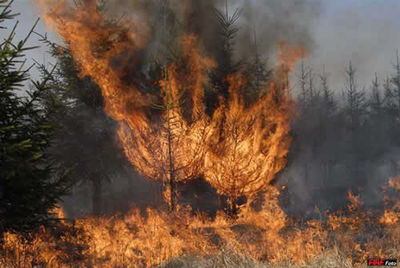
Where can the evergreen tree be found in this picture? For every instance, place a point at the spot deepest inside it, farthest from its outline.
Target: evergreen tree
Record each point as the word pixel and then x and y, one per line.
pixel 354 100
pixel 224 56
pixel 377 123
pixel 303 89
pixel 375 102
pixel 354 118
pixel 29 186
pixel 328 134
pixel 392 100
pixel 258 75
pixel 395 81
pixel 85 145
pixel 388 100
pixel 328 100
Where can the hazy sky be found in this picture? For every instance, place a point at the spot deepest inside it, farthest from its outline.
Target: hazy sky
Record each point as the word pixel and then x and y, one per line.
pixel 364 31
pixel 28 16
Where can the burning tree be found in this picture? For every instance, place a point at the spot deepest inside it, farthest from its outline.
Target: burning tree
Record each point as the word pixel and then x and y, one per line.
pixel 171 148
pixel 247 146
pixel 165 148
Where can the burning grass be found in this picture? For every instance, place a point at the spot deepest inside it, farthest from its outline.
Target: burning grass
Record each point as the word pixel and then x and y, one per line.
pixel 255 239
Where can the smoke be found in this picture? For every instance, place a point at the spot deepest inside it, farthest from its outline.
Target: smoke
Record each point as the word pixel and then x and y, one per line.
pixel 362 31
pixel 310 182
pixel 271 21
pixel 262 22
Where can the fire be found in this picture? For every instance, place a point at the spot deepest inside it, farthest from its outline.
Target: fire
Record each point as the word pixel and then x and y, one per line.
pixel 395 183
pixel 288 55
pixel 247 146
pixel 266 235
pixel 238 149
pixel 391 200
pixel 168 149
pixel 95 44
pixel 173 150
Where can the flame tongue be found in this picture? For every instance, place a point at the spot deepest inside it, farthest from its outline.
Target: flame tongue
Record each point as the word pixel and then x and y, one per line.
pixel 94 43
pixel 247 146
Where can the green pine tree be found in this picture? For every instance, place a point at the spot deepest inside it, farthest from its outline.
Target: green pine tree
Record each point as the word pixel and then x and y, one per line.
pixel 29 187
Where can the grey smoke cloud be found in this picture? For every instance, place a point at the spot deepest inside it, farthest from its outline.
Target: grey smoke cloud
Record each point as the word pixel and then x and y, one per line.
pixel 274 21
pixel 269 21
pixel 364 31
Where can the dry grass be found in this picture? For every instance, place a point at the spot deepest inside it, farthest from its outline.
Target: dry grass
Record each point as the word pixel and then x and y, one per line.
pixel 329 259
pixel 255 239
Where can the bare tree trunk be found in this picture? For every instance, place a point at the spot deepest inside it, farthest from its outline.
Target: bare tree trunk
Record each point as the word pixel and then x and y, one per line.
pixel 171 164
pixel 219 202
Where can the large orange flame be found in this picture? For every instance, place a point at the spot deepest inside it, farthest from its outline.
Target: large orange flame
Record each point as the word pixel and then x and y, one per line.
pixel 94 43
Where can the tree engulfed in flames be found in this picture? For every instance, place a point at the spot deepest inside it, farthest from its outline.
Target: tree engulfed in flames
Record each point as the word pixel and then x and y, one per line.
pixel 238 149
pixel 247 146
pixel 173 150
pixel 169 149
